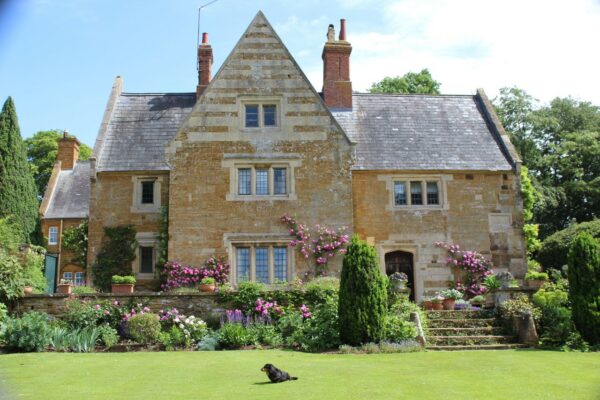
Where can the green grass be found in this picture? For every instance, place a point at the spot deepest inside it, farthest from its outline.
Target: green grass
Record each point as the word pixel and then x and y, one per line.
pixel 236 375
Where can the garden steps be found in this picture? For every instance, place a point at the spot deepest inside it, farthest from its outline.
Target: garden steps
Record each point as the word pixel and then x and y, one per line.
pixel 458 323
pixel 466 330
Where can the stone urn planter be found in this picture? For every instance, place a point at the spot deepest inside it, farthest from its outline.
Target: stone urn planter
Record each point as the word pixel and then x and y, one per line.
pixel 535 283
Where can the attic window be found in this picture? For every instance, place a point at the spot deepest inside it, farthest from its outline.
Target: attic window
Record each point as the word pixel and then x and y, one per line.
pixel 260 115
pixel 146 194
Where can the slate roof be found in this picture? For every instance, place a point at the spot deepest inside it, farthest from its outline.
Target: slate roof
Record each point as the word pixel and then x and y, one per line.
pixel 422 132
pixel 71 195
pixel 139 128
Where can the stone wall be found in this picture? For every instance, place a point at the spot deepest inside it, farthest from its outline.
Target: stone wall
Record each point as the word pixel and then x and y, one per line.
pixel 198 304
pixel 480 211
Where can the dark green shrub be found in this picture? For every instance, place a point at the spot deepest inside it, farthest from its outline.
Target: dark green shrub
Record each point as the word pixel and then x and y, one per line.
pixel 144 328
pixel 289 325
pixel 3 312
pixel 246 295
pixel 12 279
pixel 117 252
pixel 31 332
pixel 174 338
pixel 363 296
pixel 398 326
pixel 233 336
pixel 584 286
pixel 554 250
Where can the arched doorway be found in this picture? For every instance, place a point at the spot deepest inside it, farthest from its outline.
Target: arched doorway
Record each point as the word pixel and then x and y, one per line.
pixel 401 261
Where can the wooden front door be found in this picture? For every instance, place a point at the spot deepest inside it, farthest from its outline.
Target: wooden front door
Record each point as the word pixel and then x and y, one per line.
pixel 401 261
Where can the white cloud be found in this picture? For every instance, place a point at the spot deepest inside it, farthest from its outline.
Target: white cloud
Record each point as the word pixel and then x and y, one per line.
pixel 549 48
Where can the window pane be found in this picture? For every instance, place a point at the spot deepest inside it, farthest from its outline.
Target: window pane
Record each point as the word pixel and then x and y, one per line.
pixel 68 275
pixel 146 260
pixel 251 115
pixel 243 264
pixel 262 264
pixel 400 193
pixel 432 193
pixel 280 180
pixel 79 279
pixel 262 181
pixel 416 196
pixel 280 256
pixel 269 115
pixel 244 181
pixel 147 192
pixel 53 235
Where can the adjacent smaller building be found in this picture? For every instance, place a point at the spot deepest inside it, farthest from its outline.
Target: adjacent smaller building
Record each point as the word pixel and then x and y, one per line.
pixel 66 204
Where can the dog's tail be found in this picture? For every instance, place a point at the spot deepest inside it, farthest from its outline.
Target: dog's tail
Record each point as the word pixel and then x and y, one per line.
pixel 293 378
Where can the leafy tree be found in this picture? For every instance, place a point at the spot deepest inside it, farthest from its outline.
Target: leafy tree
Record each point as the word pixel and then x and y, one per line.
pixel 17 188
pixel 41 152
pixel 117 252
pixel 410 83
pixel 584 286
pixel 362 296
pixel 75 239
pixel 554 249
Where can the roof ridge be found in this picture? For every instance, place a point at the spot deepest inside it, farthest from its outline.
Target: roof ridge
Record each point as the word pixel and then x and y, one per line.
pixel 158 94
pixel 412 95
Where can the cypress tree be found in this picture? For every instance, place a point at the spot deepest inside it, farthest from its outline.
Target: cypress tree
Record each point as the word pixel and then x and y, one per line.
pixel 362 297
pixel 18 194
pixel 584 286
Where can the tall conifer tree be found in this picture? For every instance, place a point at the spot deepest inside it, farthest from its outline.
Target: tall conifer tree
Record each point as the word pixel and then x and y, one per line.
pixel 18 194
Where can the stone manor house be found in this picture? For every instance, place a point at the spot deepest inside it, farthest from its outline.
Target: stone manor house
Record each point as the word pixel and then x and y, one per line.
pixel 257 141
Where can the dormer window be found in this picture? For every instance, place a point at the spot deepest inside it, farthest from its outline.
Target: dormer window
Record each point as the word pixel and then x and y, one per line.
pixel 260 115
pixel 146 194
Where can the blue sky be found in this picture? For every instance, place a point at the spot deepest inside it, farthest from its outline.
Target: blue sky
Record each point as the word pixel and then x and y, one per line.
pixel 59 58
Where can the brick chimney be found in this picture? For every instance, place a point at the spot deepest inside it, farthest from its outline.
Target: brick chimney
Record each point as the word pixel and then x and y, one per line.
pixel 68 151
pixel 205 61
pixel 337 87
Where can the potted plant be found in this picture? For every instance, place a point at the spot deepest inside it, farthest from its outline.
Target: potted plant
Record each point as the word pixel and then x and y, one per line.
pixel 122 284
pixel 207 284
pixel 427 303
pixel 478 301
pixel 436 303
pixel 536 279
pixel 505 278
pixel 398 281
pixel 450 296
pixel 65 286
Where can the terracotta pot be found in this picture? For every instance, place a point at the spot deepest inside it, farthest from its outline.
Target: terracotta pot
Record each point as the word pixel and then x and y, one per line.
pixel 449 304
pixel 206 287
pixel 428 305
pixel 27 290
pixel 437 306
pixel 64 288
pixel 122 288
pixel 535 283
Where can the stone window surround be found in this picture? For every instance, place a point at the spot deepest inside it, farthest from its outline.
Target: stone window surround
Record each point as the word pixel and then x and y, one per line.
pixel 253 161
pixel 53 235
pixel 441 179
pixel 253 240
pixel 145 239
pixel 137 205
pixel 260 101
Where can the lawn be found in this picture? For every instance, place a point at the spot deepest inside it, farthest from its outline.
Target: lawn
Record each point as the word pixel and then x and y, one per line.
pixel 236 375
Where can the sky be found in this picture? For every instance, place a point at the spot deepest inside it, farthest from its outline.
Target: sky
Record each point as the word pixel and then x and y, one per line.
pixel 59 58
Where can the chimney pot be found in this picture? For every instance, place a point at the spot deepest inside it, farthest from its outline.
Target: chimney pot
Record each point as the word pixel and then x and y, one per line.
pixel 204 38
pixel 342 29
pixel 331 33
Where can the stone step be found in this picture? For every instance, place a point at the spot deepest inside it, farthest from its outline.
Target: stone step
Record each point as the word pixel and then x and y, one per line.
pixel 457 323
pixel 459 314
pixel 461 340
pixel 507 346
pixel 468 331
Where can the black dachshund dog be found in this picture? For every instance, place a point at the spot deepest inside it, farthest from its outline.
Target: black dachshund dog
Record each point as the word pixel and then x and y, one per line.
pixel 276 375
